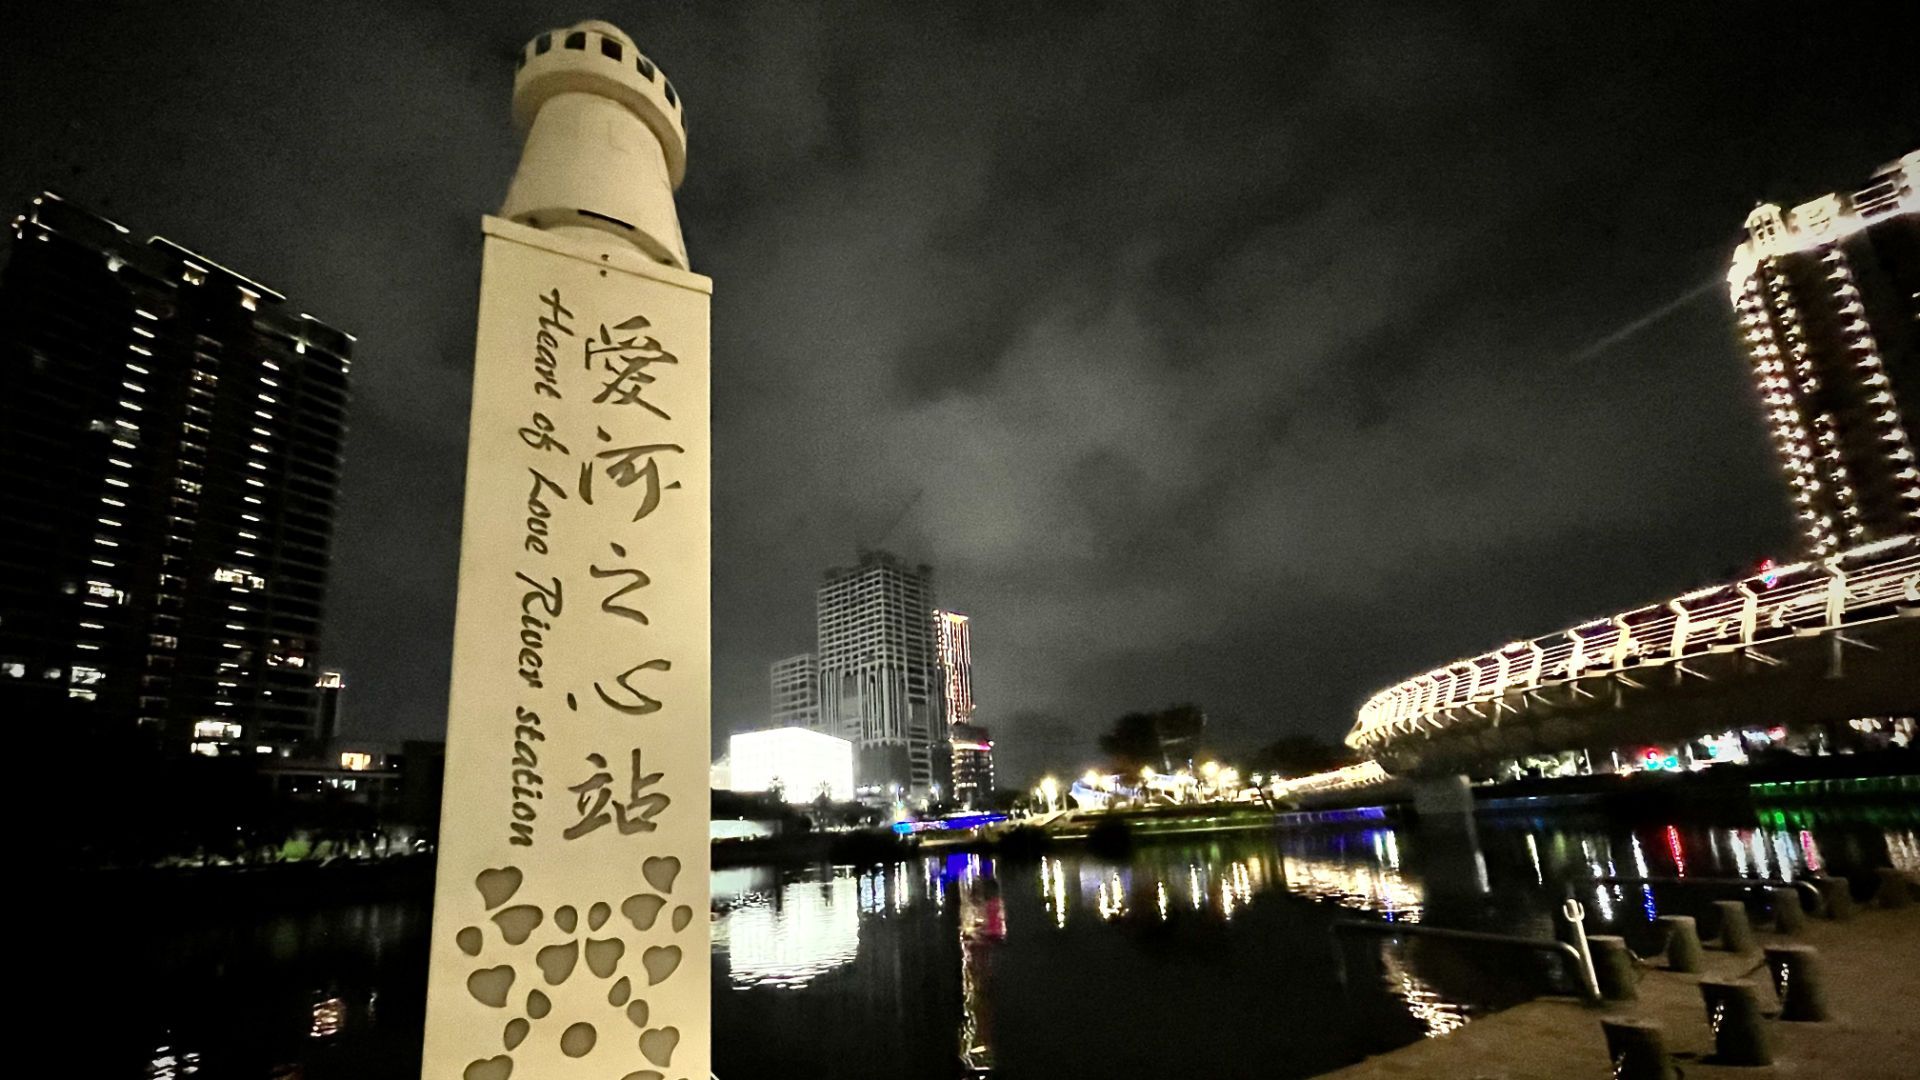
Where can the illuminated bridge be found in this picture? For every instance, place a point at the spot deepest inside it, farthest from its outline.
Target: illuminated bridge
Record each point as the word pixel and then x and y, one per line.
pixel 1815 642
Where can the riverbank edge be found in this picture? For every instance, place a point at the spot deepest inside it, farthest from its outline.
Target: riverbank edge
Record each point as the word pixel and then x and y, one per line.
pixel 1871 966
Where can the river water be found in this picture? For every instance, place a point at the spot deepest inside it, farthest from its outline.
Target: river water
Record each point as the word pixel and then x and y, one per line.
pixel 1209 958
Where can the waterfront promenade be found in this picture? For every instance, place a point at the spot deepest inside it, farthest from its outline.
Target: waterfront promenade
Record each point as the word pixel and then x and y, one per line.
pixel 1872 967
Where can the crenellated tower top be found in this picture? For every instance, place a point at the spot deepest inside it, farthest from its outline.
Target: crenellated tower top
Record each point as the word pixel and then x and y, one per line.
pixel 606 141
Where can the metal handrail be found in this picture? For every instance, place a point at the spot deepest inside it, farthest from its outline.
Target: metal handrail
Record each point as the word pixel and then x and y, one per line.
pixel 1803 598
pixel 1812 890
pixel 1590 989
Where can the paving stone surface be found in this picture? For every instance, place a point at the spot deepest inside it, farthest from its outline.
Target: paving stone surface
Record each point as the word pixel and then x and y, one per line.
pixel 1872 970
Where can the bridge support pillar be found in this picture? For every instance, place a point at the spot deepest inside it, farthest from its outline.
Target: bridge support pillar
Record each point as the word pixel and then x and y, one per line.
pixel 1442 795
pixel 1451 864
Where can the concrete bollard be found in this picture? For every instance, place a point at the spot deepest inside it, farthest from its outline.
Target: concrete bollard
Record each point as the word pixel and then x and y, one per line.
pixel 1788 916
pixel 1736 931
pixel 1681 943
pixel 1638 1050
pixel 1739 1029
pixel 1896 889
pixel 1613 967
pixel 1838 894
pixel 1796 978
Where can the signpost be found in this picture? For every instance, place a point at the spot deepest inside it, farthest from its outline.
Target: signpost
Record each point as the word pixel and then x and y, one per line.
pixel 570 923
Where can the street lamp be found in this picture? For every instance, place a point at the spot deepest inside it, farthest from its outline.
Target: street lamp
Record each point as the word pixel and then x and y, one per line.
pixel 1050 789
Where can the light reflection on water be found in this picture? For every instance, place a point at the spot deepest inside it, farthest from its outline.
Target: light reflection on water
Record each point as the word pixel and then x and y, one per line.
pixel 1434 1010
pixel 1360 878
pixel 171 1063
pixel 1903 849
pixel 966 966
pixel 786 935
pixel 1375 872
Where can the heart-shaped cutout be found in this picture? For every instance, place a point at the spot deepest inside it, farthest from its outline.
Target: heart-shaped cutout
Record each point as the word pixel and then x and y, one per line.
pixel 498 885
pixel 490 986
pixel 660 870
pixel 493 1068
pixel 658 1045
pixel 660 961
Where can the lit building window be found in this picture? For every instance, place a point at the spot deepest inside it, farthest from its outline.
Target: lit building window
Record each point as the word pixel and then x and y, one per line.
pixel 225 730
pixel 239 578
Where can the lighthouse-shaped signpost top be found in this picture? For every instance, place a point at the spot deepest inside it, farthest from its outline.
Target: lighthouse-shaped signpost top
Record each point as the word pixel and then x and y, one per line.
pixel 570 926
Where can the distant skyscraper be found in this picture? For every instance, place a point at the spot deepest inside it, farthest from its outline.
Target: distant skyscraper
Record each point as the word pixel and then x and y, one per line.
pixel 332 687
pixel 972 749
pixel 1828 301
pixel 796 692
pixel 953 644
pixel 966 747
pixel 174 448
pixel 878 674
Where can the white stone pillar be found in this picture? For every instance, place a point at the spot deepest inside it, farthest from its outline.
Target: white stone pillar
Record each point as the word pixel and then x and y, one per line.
pixel 570 925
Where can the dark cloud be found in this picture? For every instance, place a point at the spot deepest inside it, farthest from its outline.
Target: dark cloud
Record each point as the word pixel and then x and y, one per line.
pixel 1250 354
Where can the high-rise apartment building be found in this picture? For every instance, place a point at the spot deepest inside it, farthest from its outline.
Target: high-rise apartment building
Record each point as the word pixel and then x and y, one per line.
pixel 878 674
pixel 1828 300
pixel 795 682
pixel 174 448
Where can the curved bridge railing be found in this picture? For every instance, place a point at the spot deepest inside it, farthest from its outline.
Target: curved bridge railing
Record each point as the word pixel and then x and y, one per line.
pixel 1866 584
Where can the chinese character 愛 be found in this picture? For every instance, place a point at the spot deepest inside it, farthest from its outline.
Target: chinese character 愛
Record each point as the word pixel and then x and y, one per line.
pixel 627 360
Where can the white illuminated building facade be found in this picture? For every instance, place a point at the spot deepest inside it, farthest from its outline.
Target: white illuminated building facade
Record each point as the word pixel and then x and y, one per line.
pixel 878 672
pixel 800 764
pixel 1828 301
pixel 795 686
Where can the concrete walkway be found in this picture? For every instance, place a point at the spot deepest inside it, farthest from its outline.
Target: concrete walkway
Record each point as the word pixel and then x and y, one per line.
pixel 1872 968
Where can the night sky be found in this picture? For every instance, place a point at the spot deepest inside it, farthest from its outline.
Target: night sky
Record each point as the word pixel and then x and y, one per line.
pixel 1257 355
